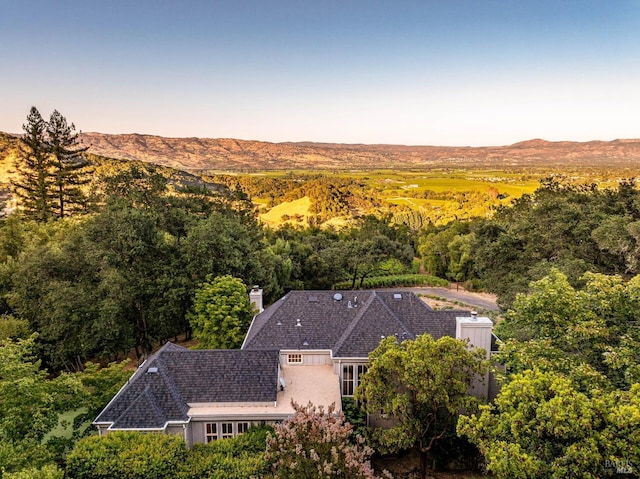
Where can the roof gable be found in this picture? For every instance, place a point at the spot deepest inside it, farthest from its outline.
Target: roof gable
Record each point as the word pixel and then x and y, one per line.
pixel 160 391
pixel 350 323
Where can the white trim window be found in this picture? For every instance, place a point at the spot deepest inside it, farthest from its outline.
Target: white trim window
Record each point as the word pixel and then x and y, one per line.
pixel 351 374
pixel 226 430
pixel 214 431
pixel 211 432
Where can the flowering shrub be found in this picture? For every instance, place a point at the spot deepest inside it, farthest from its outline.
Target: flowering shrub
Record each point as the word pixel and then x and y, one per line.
pixel 315 444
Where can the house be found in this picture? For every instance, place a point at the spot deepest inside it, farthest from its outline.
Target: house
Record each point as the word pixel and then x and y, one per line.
pixel 307 346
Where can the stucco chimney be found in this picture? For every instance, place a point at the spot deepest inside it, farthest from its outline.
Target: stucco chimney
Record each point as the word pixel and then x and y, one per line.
pixel 255 297
pixel 477 329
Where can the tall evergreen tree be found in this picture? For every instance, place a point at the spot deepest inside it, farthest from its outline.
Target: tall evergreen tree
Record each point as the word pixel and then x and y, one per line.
pixel 68 165
pixel 33 184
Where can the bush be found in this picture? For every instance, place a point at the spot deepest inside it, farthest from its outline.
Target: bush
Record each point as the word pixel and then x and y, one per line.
pixel 395 281
pixel 126 455
pixel 316 443
pixel 50 471
pixel 241 457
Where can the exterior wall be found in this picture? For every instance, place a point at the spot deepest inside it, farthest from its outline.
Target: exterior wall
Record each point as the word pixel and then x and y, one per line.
pixel 377 420
pixel 309 358
pixel 175 429
pixel 197 429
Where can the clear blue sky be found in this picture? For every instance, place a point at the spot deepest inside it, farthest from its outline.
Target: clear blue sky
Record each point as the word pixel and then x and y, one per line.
pixel 446 72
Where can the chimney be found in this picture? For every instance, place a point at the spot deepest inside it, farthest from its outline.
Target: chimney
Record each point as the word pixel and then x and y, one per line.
pixel 478 330
pixel 255 297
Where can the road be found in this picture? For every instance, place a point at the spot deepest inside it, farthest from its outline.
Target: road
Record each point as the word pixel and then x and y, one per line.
pixel 475 300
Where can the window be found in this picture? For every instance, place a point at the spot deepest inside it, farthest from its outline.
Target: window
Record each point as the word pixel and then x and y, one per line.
pixel 224 430
pixel 362 368
pixel 294 358
pixel 351 377
pixel 211 432
pixel 227 430
pixel 347 380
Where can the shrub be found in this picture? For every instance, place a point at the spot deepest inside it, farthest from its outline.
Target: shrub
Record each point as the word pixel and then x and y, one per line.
pixel 395 281
pixel 241 457
pixel 126 455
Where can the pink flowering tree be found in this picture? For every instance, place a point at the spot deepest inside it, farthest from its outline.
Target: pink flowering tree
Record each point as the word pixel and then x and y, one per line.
pixel 315 444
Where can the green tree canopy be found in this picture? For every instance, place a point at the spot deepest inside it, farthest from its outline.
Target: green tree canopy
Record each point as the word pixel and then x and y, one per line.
pixel 541 426
pixel 29 405
pixel 50 167
pixel 591 331
pixel 570 400
pixel 221 313
pixel 421 384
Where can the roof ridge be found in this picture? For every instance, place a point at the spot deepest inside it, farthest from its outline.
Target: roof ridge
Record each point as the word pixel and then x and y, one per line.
pixel 395 316
pixel 172 388
pixel 171 346
pixel 263 317
pixel 148 396
pixel 354 322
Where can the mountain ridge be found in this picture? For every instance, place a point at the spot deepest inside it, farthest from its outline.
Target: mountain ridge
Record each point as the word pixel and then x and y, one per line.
pixel 230 154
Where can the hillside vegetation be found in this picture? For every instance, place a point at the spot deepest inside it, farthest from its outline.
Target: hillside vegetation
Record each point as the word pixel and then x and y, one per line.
pixel 125 273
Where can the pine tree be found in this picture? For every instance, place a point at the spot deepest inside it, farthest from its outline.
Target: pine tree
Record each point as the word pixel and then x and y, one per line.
pixel 69 166
pixel 33 184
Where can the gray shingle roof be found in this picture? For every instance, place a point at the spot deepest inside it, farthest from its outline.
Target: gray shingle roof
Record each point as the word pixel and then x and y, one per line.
pixel 160 391
pixel 351 326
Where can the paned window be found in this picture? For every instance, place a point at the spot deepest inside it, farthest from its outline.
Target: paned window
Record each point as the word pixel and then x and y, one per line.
pixel 347 380
pixel 227 430
pixel 211 432
pixel 351 377
pixel 243 427
pixel 294 358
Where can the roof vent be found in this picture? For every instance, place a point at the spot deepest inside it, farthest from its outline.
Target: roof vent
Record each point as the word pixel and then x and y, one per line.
pixel 337 297
pixel 397 296
pixel 305 343
pixel 279 323
pixel 313 299
pixel 298 323
pixel 474 315
pixel 152 371
pixel 349 305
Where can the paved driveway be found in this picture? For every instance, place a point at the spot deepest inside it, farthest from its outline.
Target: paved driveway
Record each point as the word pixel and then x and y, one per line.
pixel 475 300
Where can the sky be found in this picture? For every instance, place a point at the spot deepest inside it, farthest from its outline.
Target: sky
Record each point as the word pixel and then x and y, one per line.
pixel 429 72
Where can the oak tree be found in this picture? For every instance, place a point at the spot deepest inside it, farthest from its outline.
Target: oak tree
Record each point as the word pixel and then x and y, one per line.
pixel 421 385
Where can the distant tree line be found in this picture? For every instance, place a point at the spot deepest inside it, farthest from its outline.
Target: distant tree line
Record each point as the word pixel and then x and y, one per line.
pixel 573 228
